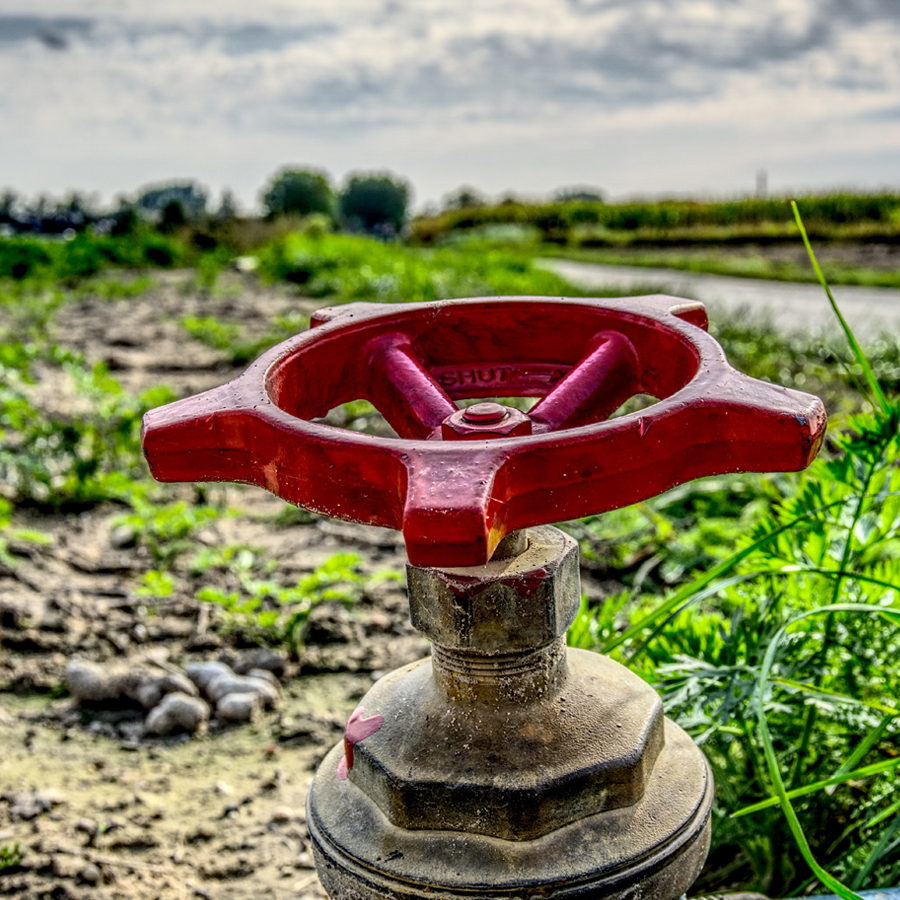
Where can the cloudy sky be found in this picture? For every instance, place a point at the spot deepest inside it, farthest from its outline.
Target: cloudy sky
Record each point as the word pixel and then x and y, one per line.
pixel 632 96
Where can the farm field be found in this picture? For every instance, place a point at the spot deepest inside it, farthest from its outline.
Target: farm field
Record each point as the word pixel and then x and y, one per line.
pixel 99 564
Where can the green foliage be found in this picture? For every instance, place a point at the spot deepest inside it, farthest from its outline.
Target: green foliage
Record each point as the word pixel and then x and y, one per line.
pixel 78 458
pixel 230 338
pixel 269 613
pixel 44 262
pixel 357 268
pixel 780 660
pixel 597 223
pixel 11 855
pixel 156 584
pixel 375 203
pixel 299 192
pixel 20 258
pixel 165 529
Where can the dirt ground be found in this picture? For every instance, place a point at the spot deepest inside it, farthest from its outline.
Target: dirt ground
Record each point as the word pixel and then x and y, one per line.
pixel 99 809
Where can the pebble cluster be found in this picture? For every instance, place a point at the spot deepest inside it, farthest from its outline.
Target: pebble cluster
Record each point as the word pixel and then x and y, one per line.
pixel 186 699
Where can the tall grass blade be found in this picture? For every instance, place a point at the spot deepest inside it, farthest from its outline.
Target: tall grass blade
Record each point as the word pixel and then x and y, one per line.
pixel 861 358
pixel 866 772
pixel 872 738
pixel 687 592
pixel 884 814
pixel 781 794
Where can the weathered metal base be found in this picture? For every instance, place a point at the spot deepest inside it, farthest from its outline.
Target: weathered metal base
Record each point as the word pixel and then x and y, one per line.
pixel 653 848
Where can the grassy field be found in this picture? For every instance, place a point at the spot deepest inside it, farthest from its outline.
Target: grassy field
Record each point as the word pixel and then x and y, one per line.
pixel 765 609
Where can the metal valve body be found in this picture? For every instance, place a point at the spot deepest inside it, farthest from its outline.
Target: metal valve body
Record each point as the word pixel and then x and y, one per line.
pixel 506 766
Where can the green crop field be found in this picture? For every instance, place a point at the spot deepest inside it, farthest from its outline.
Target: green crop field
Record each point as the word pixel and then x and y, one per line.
pixel 764 609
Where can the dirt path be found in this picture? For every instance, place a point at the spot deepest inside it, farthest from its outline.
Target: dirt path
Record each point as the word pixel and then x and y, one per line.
pixel 99 809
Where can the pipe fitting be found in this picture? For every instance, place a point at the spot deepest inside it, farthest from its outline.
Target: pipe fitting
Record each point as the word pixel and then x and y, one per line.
pixel 486 767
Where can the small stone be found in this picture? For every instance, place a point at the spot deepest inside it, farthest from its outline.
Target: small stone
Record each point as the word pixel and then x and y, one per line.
pixel 265 675
pixel 123 536
pixel 240 707
pixel 224 789
pixel 178 710
pixel 282 814
pixel 90 874
pixel 67 866
pixel 88 826
pixel 49 797
pixel 243 684
pixel 204 672
pixel 88 681
pixel 150 691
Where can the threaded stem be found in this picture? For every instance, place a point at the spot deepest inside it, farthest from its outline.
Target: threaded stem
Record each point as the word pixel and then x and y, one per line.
pixel 514 676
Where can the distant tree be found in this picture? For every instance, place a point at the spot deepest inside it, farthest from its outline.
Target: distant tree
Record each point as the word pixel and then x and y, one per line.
pixel 9 201
pixel 228 207
pixel 76 210
pixel 173 217
pixel 375 203
pixel 299 192
pixel 465 198
pixel 579 193
pixel 124 219
pixel 189 196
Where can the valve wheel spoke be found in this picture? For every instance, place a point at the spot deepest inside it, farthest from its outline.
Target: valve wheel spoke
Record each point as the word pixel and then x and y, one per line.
pixel 409 398
pixel 600 382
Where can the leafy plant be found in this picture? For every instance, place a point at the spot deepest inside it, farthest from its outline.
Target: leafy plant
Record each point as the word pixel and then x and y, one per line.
pixel 780 661
pixel 156 584
pixel 11 855
pixel 75 459
pixel 267 612
pixel 165 529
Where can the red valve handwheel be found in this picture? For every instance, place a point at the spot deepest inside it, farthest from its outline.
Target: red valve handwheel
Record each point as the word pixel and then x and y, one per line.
pixel 457 485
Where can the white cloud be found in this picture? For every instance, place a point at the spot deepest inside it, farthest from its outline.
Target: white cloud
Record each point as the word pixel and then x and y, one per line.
pixel 105 90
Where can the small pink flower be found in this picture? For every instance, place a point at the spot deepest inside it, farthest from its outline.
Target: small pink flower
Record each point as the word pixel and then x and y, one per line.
pixel 357 729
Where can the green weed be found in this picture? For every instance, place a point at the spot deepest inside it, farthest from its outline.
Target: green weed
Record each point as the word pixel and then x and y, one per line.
pixel 357 268
pixel 779 660
pixel 229 337
pixel 156 584
pixel 166 529
pixel 269 613
pixel 74 459
pixel 11 855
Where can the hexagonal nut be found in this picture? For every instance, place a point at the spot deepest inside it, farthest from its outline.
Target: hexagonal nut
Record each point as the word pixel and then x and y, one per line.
pixel 501 421
pixel 507 605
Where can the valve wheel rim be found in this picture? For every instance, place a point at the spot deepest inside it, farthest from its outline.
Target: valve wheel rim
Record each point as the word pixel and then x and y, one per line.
pixel 454 500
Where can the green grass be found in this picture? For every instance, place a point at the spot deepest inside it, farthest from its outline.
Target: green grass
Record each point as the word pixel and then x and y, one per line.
pixel 844 216
pixel 779 657
pixel 356 268
pixel 764 609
